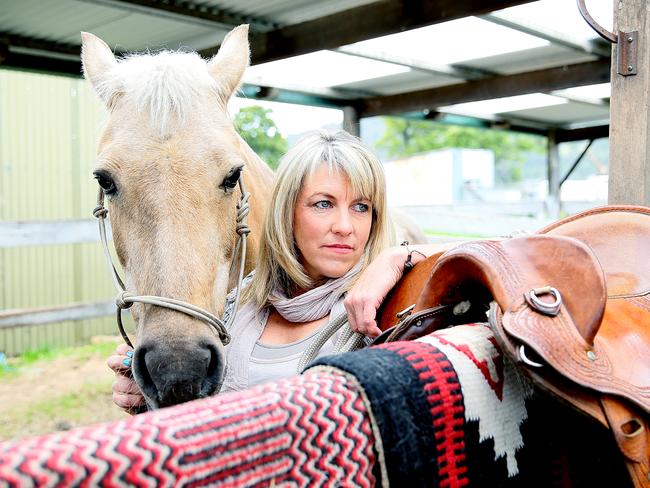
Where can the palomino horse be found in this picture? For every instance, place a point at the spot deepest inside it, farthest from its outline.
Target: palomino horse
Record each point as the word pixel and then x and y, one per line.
pixel 169 162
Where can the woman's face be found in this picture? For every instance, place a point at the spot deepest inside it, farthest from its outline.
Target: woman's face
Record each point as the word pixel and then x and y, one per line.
pixel 331 224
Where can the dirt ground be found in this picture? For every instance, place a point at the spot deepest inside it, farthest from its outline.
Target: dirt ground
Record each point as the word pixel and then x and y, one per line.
pixel 59 394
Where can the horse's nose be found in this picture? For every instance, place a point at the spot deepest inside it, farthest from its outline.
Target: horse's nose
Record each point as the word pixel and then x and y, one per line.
pixel 173 374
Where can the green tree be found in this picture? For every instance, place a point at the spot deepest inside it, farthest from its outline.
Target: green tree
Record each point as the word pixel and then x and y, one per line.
pixel 405 137
pixel 257 128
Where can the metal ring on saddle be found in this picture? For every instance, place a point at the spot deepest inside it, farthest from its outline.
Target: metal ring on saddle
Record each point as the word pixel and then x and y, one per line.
pixel 525 360
pixel 552 309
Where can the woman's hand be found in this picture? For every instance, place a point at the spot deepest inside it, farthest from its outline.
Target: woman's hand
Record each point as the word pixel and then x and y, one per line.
pixel 367 294
pixel 370 290
pixel 126 393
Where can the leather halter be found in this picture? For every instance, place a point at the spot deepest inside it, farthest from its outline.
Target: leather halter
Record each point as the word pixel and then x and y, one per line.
pixel 126 300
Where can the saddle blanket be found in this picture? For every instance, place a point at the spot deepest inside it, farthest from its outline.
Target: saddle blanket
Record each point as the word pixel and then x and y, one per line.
pixel 446 410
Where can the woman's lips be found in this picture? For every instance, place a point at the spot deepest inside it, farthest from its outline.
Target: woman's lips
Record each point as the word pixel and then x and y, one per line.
pixel 339 248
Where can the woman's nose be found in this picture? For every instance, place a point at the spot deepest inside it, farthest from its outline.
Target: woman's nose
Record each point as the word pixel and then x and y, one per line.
pixel 342 223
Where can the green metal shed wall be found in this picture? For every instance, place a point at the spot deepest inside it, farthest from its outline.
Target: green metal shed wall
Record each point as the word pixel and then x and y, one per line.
pixel 49 128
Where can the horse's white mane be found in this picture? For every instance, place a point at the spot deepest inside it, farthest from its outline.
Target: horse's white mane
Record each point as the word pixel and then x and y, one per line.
pixel 167 85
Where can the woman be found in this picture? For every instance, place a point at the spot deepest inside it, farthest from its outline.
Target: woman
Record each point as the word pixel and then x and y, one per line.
pixel 327 221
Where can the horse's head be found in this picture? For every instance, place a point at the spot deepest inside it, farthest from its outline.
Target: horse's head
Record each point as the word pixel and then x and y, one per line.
pixel 168 162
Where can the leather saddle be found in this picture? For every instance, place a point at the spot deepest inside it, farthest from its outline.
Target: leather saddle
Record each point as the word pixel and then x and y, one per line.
pixel 570 306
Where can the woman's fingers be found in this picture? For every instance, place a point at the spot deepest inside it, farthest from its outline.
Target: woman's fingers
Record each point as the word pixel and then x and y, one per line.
pixel 361 314
pixel 366 296
pixel 122 349
pixel 126 386
pixel 126 393
pixel 369 320
pixel 120 361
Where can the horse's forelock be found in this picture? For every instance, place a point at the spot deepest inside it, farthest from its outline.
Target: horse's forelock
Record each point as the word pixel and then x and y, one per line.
pixel 166 85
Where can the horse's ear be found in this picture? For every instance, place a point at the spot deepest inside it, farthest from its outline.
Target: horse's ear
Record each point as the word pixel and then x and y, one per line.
pixel 98 61
pixel 228 65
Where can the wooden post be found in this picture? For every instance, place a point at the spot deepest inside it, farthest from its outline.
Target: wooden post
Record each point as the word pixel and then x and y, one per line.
pixel 351 120
pixel 629 138
pixel 553 176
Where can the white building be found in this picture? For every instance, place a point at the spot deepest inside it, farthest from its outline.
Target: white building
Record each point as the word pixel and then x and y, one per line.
pixel 441 177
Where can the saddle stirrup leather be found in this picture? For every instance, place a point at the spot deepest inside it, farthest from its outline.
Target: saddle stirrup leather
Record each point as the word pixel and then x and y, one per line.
pixel 571 307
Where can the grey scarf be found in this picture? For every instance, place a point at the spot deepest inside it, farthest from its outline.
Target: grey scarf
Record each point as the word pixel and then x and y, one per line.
pixel 249 323
pixel 315 303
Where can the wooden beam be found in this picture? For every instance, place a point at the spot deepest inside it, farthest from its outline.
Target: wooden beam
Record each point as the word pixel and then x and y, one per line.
pixel 629 142
pixel 35 44
pixel 351 121
pixel 553 202
pixel 41 64
pixel 40 55
pixel 490 88
pixel 360 23
pixel 581 134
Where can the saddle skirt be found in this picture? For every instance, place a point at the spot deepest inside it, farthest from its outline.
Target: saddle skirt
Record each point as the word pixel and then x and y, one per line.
pixel 571 306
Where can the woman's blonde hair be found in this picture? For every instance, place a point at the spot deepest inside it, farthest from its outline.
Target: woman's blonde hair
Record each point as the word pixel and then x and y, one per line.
pixel 278 263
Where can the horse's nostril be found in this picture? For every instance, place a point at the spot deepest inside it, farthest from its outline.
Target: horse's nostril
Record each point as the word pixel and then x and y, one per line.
pixel 142 374
pixel 168 375
pixel 214 376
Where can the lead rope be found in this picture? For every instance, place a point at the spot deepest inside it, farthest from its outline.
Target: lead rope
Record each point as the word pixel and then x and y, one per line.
pixel 125 299
pixel 349 340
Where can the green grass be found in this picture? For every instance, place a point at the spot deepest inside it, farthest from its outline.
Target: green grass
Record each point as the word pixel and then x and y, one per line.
pixel 90 403
pixel 77 399
pixel 69 406
pixel 13 366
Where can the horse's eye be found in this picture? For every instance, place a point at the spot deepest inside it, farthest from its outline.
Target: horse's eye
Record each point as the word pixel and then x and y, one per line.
pixel 106 182
pixel 232 178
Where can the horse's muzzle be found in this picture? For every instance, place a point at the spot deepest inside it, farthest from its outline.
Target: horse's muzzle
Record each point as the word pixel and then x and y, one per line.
pixel 173 373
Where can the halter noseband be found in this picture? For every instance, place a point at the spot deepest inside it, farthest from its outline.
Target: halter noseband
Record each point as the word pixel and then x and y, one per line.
pixel 126 300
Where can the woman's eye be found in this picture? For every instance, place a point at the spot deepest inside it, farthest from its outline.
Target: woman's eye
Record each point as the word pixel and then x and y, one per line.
pixel 322 204
pixel 105 182
pixel 361 207
pixel 231 179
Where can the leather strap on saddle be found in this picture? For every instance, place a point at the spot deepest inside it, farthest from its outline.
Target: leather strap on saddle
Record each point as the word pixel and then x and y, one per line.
pixel 551 316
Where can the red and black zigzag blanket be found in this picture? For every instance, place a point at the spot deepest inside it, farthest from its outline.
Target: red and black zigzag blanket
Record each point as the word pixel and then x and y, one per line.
pixel 445 410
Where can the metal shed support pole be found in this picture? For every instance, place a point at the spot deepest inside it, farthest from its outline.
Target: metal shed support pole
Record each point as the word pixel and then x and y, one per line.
pixel 351 120
pixel 553 176
pixel 629 139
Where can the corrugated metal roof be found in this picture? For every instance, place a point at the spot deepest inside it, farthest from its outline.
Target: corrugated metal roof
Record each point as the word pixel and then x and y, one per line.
pixel 483 45
pixel 122 29
pixel 287 12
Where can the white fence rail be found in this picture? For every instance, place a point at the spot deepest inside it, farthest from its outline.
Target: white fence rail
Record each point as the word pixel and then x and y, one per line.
pixel 50 315
pixel 48 232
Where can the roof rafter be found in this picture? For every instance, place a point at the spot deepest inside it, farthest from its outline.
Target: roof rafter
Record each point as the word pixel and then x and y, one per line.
pixel 361 23
pixel 42 45
pixel 582 133
pixel 490 88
